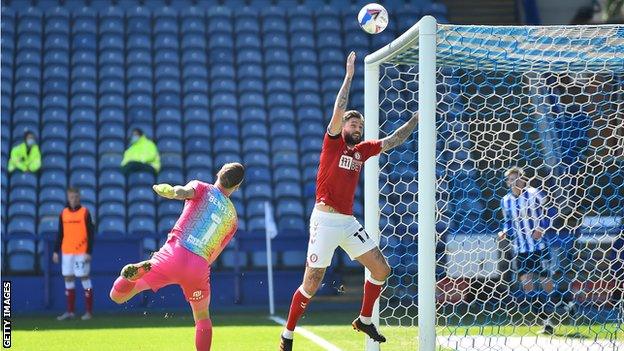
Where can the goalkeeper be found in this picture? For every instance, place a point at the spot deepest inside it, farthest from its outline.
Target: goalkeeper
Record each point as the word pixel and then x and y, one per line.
pixel 525 222
pixel 207 223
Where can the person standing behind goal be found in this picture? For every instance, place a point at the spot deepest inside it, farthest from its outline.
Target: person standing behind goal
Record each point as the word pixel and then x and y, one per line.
pixel 75 241
pixel 332 223
pixel 525 222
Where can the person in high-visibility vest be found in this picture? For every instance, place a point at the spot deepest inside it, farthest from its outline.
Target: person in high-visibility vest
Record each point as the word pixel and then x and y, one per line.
pixel 25 156
pixel 142 155
pixel 75 242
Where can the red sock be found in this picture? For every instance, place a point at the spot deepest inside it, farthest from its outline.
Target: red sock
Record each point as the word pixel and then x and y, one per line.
pixel 371 293
pixel 297 307
pixel 203 334
pixel 71 299
pixel 89 300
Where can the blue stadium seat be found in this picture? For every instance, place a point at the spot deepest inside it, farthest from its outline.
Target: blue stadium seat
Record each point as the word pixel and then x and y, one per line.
pixel 285 158
pixel 286 174
pixel 57 131
pixel 48 225
pixel 141 194
pixel 249 56
pixel 311 144
pixel 258 174
pixel 195 101
pixel 112 178
pixel 82 147
pixel 52 193
pixel 23 194
pixel 111 194
pixel 140 179
pixel 291 223
pixel 168 130
pixel 278 71
pixel 301 26
pixel 142 209
pixel 82 162
pixel 251 85
pixel 250 71
pixel 226 128
pixel 23 180
pixel 282 129
pixel 82 124
pixel 252 99
pixel 253 115
pixel 166 223
pixel 21 253
pixel 289 207
pixel 111 225
pixel 193 40
pixel 256 159
pixel 258 191
pixel 227 157
pixel 204 174
pixel 255 144
pixel 226 145
pixel 309 175
pixel 170 208
pixel 111 146
pixel 82 178
pixel 283 143
pixel 170 176
pixel 277 56
pixel 255 208
pixel 275 40
pixel 279 100
pixel 222 26
pixel 198 160
pixel 171 161
pixel 21 225
pixel 21 208
pixel 288 189
pixel 170 145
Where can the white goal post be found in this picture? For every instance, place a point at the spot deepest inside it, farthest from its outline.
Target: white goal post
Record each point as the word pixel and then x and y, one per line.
pixel 547 99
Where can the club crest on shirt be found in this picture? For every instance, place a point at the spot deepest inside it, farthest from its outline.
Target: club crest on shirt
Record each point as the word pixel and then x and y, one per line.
pixel 349 163
pixel 357 155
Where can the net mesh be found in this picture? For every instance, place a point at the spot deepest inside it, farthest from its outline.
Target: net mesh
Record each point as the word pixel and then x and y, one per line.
pixel 550 100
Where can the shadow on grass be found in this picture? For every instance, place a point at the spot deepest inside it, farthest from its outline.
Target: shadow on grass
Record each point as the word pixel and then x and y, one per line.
pixel 158 319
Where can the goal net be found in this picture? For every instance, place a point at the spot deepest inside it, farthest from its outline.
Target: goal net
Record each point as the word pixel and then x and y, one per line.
pixel 547 99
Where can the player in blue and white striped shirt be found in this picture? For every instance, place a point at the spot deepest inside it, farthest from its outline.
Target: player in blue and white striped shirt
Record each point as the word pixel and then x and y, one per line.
pixel 525 222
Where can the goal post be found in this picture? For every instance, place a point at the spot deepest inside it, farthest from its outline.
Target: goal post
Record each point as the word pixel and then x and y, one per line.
pixel 547 99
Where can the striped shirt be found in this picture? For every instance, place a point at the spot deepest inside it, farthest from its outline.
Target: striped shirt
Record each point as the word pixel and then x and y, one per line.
pixel 522 216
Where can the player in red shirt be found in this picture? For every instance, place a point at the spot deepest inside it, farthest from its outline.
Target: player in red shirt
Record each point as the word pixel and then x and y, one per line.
pixel 332 223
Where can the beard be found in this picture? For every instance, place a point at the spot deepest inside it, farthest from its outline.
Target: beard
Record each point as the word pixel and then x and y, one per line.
pixel 353 138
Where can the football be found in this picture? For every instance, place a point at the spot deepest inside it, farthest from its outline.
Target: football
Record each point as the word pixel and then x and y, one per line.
pixel 373 18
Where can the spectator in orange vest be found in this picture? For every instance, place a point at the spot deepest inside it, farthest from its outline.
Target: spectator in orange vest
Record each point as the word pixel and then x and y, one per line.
pixel 75 241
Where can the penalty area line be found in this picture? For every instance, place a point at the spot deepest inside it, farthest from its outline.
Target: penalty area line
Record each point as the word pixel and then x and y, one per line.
pixel 308 335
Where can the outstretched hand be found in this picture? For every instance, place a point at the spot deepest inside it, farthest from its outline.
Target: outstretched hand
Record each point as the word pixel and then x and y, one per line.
pixel 351 64
pixel 164 190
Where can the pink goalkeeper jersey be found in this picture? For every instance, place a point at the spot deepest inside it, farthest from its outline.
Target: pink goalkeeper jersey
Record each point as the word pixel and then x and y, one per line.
pixel 207 223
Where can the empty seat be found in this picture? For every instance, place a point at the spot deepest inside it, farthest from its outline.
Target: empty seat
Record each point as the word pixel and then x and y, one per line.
pixel 289 207
pixel 258 191
pixel 21 225
pixel 256 159
pixel 112 178
pixel 140 194
pixel 111 225
pixel 285 174
pixel 21 253
pixel 112 194
pixel 142 209
pixel 258 174
pixel 288 190
pixel 23 179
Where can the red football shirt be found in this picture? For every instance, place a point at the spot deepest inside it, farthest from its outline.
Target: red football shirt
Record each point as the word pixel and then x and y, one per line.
pixel 339 171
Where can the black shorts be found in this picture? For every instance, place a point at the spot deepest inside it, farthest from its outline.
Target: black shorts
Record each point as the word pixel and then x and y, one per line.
pixel 535 262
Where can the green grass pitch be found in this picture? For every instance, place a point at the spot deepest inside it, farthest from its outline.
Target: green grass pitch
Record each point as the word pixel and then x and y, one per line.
pixel 232 331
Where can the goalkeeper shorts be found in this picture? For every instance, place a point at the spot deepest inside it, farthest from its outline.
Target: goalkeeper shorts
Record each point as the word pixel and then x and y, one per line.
pixel 175 264
pixel 330 230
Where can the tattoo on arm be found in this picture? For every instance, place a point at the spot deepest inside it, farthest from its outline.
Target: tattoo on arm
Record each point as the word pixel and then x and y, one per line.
pixel 343 95
pixel 400 135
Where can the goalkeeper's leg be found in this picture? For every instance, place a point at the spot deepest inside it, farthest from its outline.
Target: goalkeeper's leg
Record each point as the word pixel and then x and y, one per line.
pixel 203 324
pixel 130 282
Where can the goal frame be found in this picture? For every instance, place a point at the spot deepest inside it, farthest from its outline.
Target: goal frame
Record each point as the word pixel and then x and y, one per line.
pixel 423 33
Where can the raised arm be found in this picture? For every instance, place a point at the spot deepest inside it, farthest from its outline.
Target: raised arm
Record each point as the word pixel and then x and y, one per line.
pixel 400 135
pixel 340 106
pixel 178 192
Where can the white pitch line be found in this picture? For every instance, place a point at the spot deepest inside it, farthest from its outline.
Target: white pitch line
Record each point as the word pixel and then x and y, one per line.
pixel 309 335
